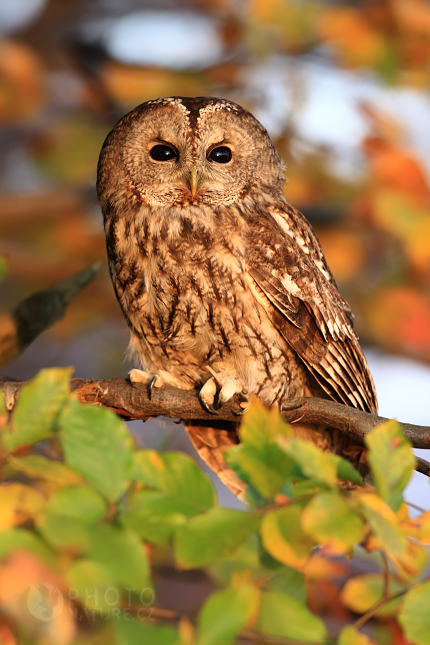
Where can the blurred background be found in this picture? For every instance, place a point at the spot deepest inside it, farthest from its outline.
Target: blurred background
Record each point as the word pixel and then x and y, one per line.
pixel 343 89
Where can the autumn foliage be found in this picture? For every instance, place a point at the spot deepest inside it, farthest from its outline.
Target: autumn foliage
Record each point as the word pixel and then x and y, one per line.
pixel 91 525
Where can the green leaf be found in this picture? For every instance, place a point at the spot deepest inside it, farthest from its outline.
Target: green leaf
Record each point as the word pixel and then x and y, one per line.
pixel 391 460
pixel 39 467
pixel 179 476
pixel 119 550
pixel 97 444
pixel 65 533
pixel 361 592
pixel 351 636
pixel 92 584
pixel 384 525
pixel 35 416
pixel 284 538
pixel 313 462
pixel 347 472
pixel 129 631
pixel 282 615
pixel 80 502
pixel 22 539
pixel 211 535
pixel 332 522
pixel 183 490
pixel 154 516
pixel 290 582
pixel 258 456
pixel 414 616
pixel 245 558
pixel 225 613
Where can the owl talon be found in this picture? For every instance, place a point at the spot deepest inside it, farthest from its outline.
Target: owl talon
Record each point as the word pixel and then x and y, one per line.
pixel 242 408
pixel 150 385
pixel 207 396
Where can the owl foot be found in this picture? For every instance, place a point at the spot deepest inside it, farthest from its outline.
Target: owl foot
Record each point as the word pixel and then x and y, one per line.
pixel 207 395
pixel 156 379
pixel 242 408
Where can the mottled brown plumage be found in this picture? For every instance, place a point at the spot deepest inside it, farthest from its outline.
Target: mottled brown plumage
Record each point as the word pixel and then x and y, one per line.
pixel 221 281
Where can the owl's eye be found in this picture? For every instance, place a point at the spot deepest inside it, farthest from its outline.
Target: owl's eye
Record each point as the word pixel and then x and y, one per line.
pixel 163 153
pixel 220 155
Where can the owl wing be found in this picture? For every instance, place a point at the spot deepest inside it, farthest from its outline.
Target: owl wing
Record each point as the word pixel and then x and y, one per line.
pixel 293 282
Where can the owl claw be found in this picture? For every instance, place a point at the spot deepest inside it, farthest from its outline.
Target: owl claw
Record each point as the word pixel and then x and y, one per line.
pixel 150 384
pixel 207 396
pixel 242 408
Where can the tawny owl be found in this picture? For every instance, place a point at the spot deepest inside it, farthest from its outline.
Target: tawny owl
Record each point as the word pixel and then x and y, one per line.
pixel 223 284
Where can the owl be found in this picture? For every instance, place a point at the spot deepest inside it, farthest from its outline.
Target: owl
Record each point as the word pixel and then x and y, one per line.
pixel 223 284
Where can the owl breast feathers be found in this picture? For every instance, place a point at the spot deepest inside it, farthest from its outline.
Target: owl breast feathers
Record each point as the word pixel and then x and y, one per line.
pixel 223 284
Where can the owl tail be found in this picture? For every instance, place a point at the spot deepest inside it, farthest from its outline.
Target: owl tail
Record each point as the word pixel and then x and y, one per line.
pixel 211 442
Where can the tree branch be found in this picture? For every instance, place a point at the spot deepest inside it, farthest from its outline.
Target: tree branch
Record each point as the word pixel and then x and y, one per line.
pixel 132 402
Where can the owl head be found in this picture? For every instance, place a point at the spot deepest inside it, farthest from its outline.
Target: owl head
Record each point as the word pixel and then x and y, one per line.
pixel 183 151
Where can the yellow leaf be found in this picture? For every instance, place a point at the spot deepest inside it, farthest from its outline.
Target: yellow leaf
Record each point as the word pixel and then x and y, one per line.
pixel 383 523
pixel 418 527
pixel 18 503
pixel 332 522
pixel 361 592
pixel 351 636
pixel 284 538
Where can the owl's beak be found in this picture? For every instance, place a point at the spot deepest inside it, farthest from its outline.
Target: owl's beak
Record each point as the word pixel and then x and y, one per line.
pixel 194 180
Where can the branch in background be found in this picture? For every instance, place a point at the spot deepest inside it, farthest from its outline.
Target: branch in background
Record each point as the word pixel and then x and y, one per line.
pixel 39 311
pixel 132 402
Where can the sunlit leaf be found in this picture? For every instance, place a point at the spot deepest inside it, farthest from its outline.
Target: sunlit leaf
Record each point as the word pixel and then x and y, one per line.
pixel 384 525
pixel 258 456
pixel 80 502
pixel 414 561
pixel 361 592
pixel 24 540
pixel 415 615
pixel 65 533
pixel 120 550
pixel 178 475
pixel 282 615
pixel 39 467
pixel 284 538
pixel 418 527
pixel 92 585
pixel 137 632
pixel 98 445
pixel 332 522
pixel 155 515
pixel 351 636
pixel 225 613
pixel 122 553
pixel 391 460
pixel 313 462
pixel 18 503
pixel 211 535
pixel 36 412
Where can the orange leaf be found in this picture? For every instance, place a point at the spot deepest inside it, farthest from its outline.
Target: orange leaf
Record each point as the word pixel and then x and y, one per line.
pixel 355 40
pixel 35 598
